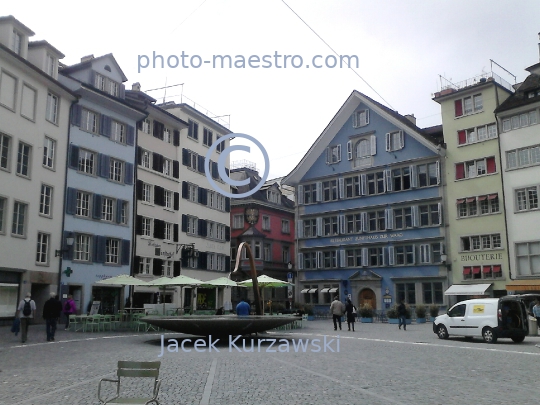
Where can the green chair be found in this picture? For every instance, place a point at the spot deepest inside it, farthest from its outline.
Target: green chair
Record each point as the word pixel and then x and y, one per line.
pixel 133 369
pixel 92 322
pixel 106 320
pixel 74 323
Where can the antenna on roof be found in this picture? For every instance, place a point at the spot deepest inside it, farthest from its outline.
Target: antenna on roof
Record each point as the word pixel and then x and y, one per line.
pixel 165 91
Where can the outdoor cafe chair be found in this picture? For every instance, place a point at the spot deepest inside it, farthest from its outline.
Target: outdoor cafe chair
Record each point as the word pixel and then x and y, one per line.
pixel 75 323
pixel 133 369
pixel 92 321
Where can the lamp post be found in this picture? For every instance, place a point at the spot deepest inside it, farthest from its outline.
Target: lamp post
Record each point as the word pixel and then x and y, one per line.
pixel 290 280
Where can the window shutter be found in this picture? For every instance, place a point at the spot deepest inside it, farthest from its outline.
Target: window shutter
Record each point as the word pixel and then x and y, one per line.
pixel 384 257
pixel 319 260
pixel 203 227
pixel 388 175
pixel 227 233
pixel 104 162
pixel 215 173
pixel 490 163
pixel 71 201
pixel 458 108
pixel 130 138
pixel 339 153
pixel 176 201
pixel 176 137
pixel 373 145
pixel 438 171
pixel 462 137
pixel 159 229
pixel 200 197
pixel 401 140
pixel 342 258
pixel 349 150
pixel 126 245
pixel 319 226
pixel 439 209
pixel 76 113
pixel 228 264
pixel 74 157
pixel 157 267
pixel 184 222
pixel 176 268
pixel 157 162
pixel 300 261
pixel 119 204
pixel 185 189
pixel 389 218
pixel 300 195
pixel 105 125
pixel 99 248
pixel 300 228
pixel 365 257
pixel 460 171
pixel 364 221
pixel 363 184
pixel 139 190
pixel 138 225
pixel 414 176
pixel 185 157
pixel 367 116
pixel 319 191
pixel 341 183
pixel 128 178
pixel 159 196
pixel 203 260
pixel 96 211
pixel 227 204
pixel 200 163
pixel 175 232
pixel 139 155
pixel 388 142
pixel 415 216
pixel 391 258
pixel 328 155
pixel 176 169
pixel 342 224
pixel 355 120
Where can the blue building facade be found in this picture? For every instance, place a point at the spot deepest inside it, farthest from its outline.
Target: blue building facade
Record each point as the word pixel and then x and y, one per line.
pixel 99 203
pixel 370 218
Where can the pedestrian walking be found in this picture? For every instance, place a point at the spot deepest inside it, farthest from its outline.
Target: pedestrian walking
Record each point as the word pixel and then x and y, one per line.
pixel 51 312
pixel 536 312
pixel 337 308
pixel 69 309
pixel 402 315
pixel 351 314
pixel 25 312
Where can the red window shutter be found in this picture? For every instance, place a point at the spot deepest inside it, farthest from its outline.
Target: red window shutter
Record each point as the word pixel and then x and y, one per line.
pixel 462 138
pixel 491 165
pixel 458 107
pixel 460 171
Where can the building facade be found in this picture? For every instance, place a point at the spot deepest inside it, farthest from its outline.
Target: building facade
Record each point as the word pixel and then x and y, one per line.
pixel 477 243
pixel 370 218
pixel 99 202
pixel 34 116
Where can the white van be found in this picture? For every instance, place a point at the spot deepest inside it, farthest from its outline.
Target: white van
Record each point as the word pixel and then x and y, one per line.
pixel 489 318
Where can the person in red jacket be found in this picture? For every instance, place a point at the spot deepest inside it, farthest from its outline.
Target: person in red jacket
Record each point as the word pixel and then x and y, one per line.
pixel 69 309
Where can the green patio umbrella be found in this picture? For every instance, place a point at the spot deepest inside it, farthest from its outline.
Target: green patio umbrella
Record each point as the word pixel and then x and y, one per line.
pixel 221 282
pixel 180 280
pixel 265 281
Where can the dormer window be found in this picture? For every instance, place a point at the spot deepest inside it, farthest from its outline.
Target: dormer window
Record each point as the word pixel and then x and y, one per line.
pixel 273 196
pixel 113 88
pixel 16 42
pixel 107 85
pixel 50 64
pixel 100 82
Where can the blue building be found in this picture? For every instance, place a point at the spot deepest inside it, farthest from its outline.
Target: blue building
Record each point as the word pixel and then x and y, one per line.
pixel 370 218
pixel 98 210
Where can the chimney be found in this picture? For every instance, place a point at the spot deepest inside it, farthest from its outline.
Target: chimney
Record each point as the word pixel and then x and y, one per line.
pixel 87 58
pixel 136 86
pixel 411 118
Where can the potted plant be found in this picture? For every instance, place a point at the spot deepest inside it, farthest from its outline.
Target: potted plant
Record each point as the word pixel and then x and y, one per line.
pixel 308 309
pixel 365 312
pixel 433 311
pixel 420 311
pixel 392 315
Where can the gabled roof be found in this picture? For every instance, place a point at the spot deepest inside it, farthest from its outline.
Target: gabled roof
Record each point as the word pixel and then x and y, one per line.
pixel 88 63
pixel 520 97
pixel 341 117
pixel 19 25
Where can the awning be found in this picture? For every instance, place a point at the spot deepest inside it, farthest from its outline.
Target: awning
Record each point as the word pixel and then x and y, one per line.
pixel 332 290
pixel 325 290
pixel 471 199
pixel 493 196
pixel 313 290
pixel 496 269
pixel 460 201
pixel 304 291
pixel 466 270
pixel 486 269
pixel 482 197
pixel 476 270
pixel 8 285
pixel 469 289
pixel 524 285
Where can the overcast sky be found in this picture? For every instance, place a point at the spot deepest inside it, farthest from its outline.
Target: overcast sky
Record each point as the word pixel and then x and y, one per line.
pixel 402 47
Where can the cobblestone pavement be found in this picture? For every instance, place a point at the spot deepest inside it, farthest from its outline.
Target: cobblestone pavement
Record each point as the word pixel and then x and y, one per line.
pixel 378 364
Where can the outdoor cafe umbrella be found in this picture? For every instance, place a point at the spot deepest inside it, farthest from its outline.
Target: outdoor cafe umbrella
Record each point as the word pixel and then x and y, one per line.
pixel 265 281
pixel 180 280
pixel 122 280
pixel 220 282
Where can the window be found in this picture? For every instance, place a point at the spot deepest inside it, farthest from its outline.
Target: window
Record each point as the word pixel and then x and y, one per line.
pixel 50 65
pixel 354 257
pixel 147 193
pixel 145 264
pixel 193 130
pixel 472 206
pixel 82 248
pixel 430 253
pixel 116 172
pixel 352 187
pixel 118 133
pixel 285 226
pixel 401 179
pixel 310 260
pixel 169 199
pixel 333 154
pixel 124 213
pixel 477 134
pixel 310 228
pixel 16 42
pixel 45 200
pixel 83 204
pixel 375 256
pixel 480 242
pixel 100 82
pixel 310 193
pixel 520 121
pixel 89 121
pixel 353 223
pixel 273 196
pixel 376 221
pixel 146 227
pixel 394 141
pixel 432 293
pixel 528 258
pixel 167 167
pixel 190 159
pixel 475 168
pixel 8 90
pixel 267 252
pixel 23 159
pixel 42 251
pixel 146 127
pixel 3 210
pixel 49 147
pixel 221 146
pixel 207 137
pixel 428 174
pixel 238 221
pixel 330 190
pixel 363 151
pixel 192 192
pixel 146 158
pixel 468 105
pixel 4 151
pixel 361 118
pixel 167 268
pixel 167 135
pixel 330 226
pixel 375 183
pixel 107 209
pixel 523 157
pixel 429 215
pixel 406 292
pixel 168 231
pixel 192 225
pixel 18 226
pixel 265 222
pixel 526 199
pixel 112 251
pixel 28 102
pixel 51 112
pixel 107 85
pixel 330 259
pixel 87 161
pixel 404 255
pixel 403 218
pixel 286 254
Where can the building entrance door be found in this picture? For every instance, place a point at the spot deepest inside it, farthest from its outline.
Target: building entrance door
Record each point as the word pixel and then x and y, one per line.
pixel 367 296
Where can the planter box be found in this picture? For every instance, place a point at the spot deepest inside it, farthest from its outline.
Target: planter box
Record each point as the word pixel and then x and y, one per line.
pixel 396 321
pixel 366 320
pixel 420 320
pixel 311 317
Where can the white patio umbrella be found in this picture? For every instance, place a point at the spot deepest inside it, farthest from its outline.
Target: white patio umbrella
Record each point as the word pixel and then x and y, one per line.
pixel 265 281
pixel 180 280
pixel 221 282
pixel 122 280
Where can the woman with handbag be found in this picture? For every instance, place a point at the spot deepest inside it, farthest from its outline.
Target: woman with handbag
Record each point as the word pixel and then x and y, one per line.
pixel 351 314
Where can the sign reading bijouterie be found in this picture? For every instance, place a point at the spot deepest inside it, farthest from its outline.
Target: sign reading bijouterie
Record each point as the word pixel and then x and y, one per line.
pixel 481 256
pixel 383 236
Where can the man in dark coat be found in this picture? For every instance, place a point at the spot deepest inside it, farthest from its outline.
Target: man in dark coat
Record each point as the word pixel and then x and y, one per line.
pixel 402 314
pixel 51 312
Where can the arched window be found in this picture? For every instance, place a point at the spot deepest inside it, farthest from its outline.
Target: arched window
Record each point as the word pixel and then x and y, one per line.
pixel 363 148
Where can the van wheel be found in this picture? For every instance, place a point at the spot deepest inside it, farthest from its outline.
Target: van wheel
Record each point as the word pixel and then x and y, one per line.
pixel 518 339
pixel 442 332
pixel 489 335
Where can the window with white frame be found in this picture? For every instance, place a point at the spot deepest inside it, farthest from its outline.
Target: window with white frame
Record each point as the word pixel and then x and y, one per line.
pixel 310 227
pixel 51 111
pixel 87 161
pixel 376 183
pixel 167 268
pixel 220 202
pixel 524 157
pixel 360 118
pixel 146 159
pixel 124 213
pixel 376 221
pixel 169 199
pixel 16 42
pixel 257 249
pixel 221 146
pixel 112 251
pixel 528 258
pixel 49 148
pixel 116 172
pixel 146 226
pixel 395 141
pixel 353 223
pixel 23 159
pixel 428 174
pixel 145 265
pixel 89 121
pixel 375 256
pixel 285 226
pixel 167 135
pixel 468 105
pixel 207 137
pixel 118 133
pixel 50 65
pixel 401 179
pixel 193 192
pixel 18 226
pixel 107 209
pixel 404 255
pixel 192 225
pixel 5 142
pixel 475 168
pixel 285 254
pixel 310 260
pixel 432 292
pixel 42 251
pixel 193 129
pixel 273 196
pixel 330 190
pixel 45 200
pixel 3 213
pixel 330 259
pixel 310 193
pixel 238 221
pixel 526 199
pixel 265 222
pixel 519 121
pixel 146 126
pixel 267 252
pixel 168 231
pixel 403 218
pixel 477 134
pixel 100 82
pixel 211 230
pixel 330 226
pixel 363 151
pixel 352 187
pixel 82 248
pixel 430 214
pixel 480 242
pixel 333 154
pixel 83 204
pixel 354 257
pixel 167 167
pixel 8 90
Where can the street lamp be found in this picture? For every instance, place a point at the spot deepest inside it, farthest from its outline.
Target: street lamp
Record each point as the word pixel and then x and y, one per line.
pixel 69 242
